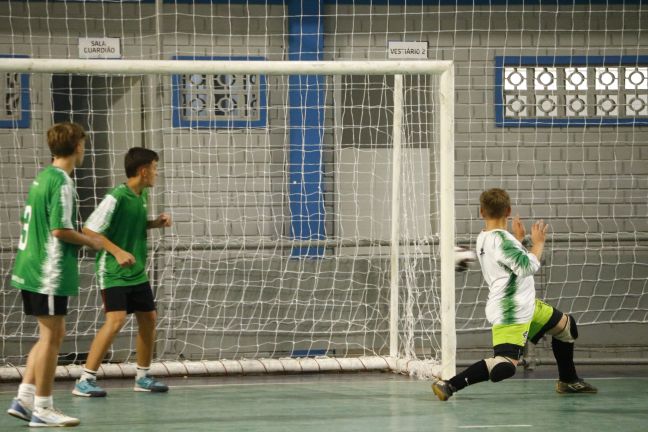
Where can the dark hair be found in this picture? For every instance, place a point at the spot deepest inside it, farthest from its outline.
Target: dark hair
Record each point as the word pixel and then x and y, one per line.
pixel 494 203
pixel 64 138
pixel 138 157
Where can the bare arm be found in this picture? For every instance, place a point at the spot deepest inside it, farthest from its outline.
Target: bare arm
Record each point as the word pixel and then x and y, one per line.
pixel 125 259
pixel 74 237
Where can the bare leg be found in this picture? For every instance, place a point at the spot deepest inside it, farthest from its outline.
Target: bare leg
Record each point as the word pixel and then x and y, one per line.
pixel 558 327
pixel 52 331
pixel 104 338
pixel 29 377
pixel 145 337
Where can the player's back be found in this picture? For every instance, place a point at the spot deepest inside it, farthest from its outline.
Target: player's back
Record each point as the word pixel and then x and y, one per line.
pixel 44 263
pixel 508 270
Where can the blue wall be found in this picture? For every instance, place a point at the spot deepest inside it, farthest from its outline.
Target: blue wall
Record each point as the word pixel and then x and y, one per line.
pixel 306 99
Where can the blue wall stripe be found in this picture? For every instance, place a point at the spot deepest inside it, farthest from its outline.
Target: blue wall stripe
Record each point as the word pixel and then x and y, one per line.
pixel 306 99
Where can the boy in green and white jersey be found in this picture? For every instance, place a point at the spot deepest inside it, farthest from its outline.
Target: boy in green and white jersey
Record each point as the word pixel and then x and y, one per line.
pixel 121 222
pixel 46 271
pixel 512 308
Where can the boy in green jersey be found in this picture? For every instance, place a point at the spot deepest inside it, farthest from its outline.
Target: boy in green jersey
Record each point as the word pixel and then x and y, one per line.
pixel 121 222
pixel 512 307
pixel 46 271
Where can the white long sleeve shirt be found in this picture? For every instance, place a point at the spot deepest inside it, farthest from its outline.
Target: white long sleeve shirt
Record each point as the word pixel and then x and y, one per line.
pixel 508 269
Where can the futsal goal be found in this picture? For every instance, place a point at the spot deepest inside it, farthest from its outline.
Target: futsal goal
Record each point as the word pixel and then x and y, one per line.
pixel 313 208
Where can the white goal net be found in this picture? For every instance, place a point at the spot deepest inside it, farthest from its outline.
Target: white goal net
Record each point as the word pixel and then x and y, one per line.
pixel 281 185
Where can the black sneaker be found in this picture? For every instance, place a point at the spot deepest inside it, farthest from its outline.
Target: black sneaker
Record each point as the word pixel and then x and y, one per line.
pixel 575 387
pixel 443 390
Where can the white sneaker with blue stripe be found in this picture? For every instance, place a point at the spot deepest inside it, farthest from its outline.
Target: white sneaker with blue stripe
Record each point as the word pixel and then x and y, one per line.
pixel 51 417
pixel 20 409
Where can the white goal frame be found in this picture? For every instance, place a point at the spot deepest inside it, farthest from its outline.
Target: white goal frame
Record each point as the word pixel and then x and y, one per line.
pixel 444 69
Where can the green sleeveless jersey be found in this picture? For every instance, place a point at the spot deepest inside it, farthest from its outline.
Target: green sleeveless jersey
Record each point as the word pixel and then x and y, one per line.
pixel 45 264
pixel 122 217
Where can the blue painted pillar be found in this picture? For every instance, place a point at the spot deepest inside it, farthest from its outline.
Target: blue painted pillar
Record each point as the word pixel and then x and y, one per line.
pixel 306 98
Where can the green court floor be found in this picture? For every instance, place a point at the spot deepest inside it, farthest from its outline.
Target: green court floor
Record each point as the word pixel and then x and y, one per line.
pixel 351 402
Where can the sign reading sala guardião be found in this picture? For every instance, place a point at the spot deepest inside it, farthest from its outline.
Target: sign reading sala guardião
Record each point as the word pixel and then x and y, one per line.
pixel 99 48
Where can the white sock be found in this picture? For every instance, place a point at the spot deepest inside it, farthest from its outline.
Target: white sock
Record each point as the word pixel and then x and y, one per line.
pixel 26 393
pixel 141 372
pixel 43 402
pixel 88 375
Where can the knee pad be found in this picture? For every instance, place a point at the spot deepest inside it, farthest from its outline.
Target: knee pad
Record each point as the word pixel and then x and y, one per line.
pixel 499 368
pixel 570 333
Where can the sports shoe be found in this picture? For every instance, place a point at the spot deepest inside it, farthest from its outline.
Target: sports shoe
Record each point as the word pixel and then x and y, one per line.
pixel 88 388
pixel 51 417
pixel 443 389
pixel 20 409
pixel 575 387
pixel 150 384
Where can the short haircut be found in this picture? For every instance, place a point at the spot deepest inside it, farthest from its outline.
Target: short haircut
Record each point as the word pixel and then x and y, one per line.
pixel 494 203
pixel 138 157
pixel 63 138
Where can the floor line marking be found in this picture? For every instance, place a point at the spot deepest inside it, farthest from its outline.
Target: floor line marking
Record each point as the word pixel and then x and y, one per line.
pixel 493 426
pixel 310 382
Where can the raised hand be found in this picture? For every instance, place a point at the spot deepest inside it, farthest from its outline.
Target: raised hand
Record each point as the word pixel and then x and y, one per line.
pixel 517 227
pixel 538 232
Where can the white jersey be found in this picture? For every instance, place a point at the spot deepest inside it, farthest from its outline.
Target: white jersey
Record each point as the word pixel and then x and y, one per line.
pixel 508 269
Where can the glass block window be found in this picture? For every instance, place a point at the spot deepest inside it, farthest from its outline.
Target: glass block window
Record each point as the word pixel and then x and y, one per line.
pixel 14 105
pixel 219 100
pixel 561 91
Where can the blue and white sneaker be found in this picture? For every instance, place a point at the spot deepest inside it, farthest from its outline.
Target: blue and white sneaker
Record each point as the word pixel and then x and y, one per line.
pixel 88 388
pixel 150 384
pixel 51 417
pixel 20 409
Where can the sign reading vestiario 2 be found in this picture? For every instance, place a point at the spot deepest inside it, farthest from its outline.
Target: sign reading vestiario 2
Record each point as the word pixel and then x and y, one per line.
pixel 99 48
pixel 407 50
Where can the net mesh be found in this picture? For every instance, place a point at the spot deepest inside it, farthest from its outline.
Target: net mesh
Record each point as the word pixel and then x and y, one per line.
pixel 230 283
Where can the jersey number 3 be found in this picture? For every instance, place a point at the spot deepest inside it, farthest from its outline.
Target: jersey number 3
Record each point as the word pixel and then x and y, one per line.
pixel 24 233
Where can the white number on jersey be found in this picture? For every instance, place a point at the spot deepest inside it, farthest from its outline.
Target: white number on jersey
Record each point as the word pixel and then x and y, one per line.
pixel 24 233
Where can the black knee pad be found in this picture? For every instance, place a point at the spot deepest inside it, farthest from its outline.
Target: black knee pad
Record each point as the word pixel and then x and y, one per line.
pixel 502 371
pixel 573 329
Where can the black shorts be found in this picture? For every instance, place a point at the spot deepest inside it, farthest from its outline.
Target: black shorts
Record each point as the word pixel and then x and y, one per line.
pixel 134 298
pixel 511 351
pixel 37 304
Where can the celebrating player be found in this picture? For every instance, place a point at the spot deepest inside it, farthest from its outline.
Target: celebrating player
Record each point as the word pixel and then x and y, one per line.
pixel 46 271
pixel 512 308
pixel 121 223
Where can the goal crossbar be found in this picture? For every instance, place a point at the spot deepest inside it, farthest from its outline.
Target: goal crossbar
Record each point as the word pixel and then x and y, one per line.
pixel 369 67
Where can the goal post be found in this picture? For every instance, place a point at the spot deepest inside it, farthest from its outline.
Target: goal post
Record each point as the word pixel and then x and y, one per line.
pixel 402 353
